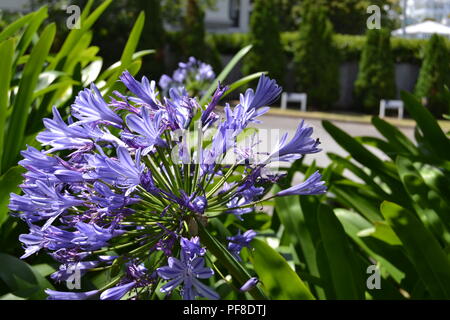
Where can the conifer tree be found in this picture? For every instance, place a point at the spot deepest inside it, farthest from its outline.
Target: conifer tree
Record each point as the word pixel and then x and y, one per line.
pixel 194 31
pixel 376 76
pixel 316 58
pixel 267 52
pixel 435 76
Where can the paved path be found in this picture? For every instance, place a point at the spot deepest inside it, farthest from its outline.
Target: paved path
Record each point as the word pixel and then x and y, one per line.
pixel 290 123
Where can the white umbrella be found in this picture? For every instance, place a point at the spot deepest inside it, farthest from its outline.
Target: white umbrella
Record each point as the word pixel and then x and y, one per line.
pixel 423 29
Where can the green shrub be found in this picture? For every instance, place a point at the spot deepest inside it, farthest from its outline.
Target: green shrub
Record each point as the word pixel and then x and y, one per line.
pixel 153 37
pixel 267 53
pixel 194 31
pixel 376 77
pixel 349 46
pixel 316 58
pixel 435 75
pixel 35 79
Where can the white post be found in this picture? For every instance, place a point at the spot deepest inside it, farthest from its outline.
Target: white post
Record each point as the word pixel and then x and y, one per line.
pixel 244 15
pixel 303 103
pixel 382 108
pixel 400 112
pixel 283 100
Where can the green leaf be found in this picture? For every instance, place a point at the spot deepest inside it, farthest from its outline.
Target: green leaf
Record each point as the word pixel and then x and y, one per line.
pixel 221 77
pixel 436 179
pixel 428 125
pixel 76 34
pixel 22 104
pixel 366 158
pixel 127 54
pixel 346 282
pixel 353 224
pixel 292 217
pixel 6 61
pixel 424 251
pixel 351 196
pixel 381 230
pixel 12 28
pixel 10 296
pixel 228 261
pixel 435 218
pixel 395 137
pixel 280 281
pixel 114 67
pixel 30 32
pixel 91 72
pixel 360 173
pixel 242 81
pixel 357 150
pixel 21 279
pixel 133 40
pixel 9 182
pixel 378 143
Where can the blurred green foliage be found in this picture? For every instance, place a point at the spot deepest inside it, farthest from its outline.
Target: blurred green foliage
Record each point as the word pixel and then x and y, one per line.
pixel 393 212
pixel 34 80
pixel 316 58
pixel 376 76
pixel 434 76
pixel 267 53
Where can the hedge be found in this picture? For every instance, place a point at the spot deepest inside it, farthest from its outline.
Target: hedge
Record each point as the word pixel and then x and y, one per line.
pixel 350 46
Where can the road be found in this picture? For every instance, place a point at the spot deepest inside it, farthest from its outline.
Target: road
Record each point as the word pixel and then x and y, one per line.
pixel 290 123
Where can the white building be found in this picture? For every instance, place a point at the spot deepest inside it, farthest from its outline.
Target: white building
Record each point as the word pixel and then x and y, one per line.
pixel 13 5
pixel 229 16
pixel 420 10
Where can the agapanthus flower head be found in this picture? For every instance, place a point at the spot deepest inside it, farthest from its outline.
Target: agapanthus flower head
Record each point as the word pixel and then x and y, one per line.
pixel 194 75
pixel 120 187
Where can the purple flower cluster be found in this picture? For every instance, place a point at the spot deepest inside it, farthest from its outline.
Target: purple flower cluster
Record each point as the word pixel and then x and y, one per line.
pixel 194 75
pixel 117 188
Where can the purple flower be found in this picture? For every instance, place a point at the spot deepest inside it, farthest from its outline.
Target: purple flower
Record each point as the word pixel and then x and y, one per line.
pixel 144 91
pixel 149 128
pixel 311 186
pixel 249 285
pixel 187 271
pixel 123 172
pixel 90 107
pixel 164 81
pixel 208 116
pixel 58 295
pixel 193 74
pixel 92 236
pixel 194 203
pixel 235 204
pixel 61 136
pixel 180 108
pixel 192 247
pixel 67 270
pixel 267 92
pixel 116 293
pixel 110 182
pixel 240 241
pixel 301 144
pixel 42 201
pixel 52 238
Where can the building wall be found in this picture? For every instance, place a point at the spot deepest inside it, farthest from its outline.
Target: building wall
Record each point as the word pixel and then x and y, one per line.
pixel 406 75
pixel 228 16
pixel 419 10
pixel 13 4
